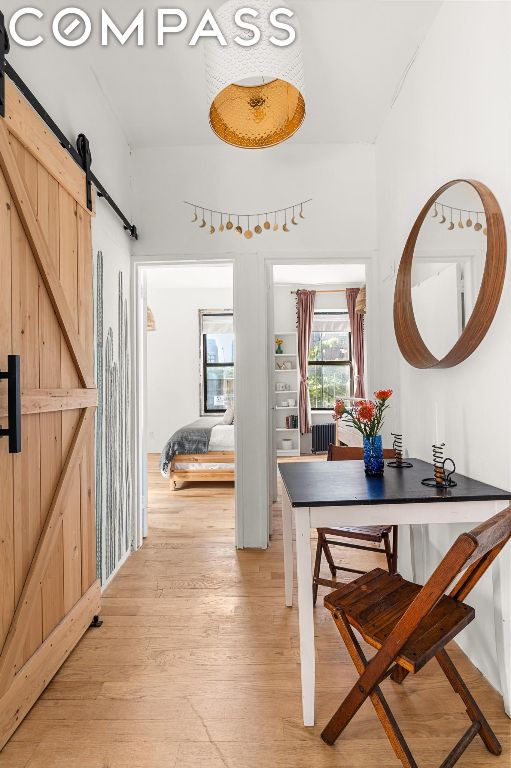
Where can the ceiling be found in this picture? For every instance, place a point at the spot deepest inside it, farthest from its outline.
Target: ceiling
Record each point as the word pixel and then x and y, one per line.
pixel 356 55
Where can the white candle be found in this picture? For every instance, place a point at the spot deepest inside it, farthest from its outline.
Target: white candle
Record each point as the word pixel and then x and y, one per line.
pixel 437 437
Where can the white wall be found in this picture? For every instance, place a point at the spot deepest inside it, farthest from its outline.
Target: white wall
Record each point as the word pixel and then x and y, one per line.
pixel 452 120
pixel 339 178
pixel 65 83
pixel 285 303
pixel 173 350
pixel 341 222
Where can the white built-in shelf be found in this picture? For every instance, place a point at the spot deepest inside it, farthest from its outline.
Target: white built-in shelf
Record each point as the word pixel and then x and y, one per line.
pixel 291 377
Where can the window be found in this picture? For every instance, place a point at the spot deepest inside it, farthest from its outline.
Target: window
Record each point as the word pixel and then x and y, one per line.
pixel 217 356
pixel 330 366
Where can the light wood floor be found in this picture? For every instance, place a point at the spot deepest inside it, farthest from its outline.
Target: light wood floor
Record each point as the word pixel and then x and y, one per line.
pixel 197 664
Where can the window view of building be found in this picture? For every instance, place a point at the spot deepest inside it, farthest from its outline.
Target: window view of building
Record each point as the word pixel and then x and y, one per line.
pixel 330 365
pixel 217 351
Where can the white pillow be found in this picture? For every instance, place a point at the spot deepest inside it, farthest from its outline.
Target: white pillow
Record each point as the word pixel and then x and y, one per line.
pixel 229 415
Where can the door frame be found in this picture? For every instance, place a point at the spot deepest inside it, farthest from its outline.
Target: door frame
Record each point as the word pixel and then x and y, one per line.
pixel 253 520
pixel 139 416
pixel 364 258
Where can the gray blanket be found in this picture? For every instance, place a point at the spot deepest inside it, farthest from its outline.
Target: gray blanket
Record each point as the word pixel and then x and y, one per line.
pixel 194 438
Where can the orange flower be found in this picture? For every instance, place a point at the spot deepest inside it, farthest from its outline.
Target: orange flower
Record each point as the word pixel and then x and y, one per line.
pixel 366 411
pixel 340 409
pixel 383 394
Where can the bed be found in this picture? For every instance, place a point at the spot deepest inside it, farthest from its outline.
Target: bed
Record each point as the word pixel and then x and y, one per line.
pixel 200 452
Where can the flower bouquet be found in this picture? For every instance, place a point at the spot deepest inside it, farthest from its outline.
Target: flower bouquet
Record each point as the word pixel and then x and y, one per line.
pixel 367 416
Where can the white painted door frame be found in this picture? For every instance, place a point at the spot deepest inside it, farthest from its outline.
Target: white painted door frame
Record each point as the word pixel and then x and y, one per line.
pixel 253 312
pixel 139 310
pixel 365 258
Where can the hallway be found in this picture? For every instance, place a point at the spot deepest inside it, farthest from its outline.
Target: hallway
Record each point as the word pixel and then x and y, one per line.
pixel 196 664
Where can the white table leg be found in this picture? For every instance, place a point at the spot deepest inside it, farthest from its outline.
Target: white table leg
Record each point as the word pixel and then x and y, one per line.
pixel 306 617
pixel 287 531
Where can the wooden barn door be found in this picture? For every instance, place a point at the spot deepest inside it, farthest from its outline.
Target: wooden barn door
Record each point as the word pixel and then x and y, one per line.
pixel 48 587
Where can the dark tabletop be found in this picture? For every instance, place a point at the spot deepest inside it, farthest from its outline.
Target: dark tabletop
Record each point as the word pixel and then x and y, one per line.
pixel 344 483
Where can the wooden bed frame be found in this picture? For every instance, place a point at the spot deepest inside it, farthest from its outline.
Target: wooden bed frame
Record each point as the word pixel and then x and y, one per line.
pixel 203 475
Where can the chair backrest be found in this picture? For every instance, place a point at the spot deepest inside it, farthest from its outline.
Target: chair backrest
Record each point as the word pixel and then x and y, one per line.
pixel 487 541
pixel 471 555
pixel 349 453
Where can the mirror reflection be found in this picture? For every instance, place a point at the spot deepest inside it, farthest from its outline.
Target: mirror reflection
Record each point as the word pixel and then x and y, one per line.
pixel 448 267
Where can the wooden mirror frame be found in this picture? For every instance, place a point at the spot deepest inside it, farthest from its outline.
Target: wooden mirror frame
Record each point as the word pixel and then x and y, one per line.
pixel 408 336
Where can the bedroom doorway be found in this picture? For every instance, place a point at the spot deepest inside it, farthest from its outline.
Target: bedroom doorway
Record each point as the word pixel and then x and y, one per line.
pixel 334 370
pixel 186 363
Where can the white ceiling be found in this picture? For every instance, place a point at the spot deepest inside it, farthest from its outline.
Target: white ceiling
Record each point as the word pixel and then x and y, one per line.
pixel 356 54
pixel 319 274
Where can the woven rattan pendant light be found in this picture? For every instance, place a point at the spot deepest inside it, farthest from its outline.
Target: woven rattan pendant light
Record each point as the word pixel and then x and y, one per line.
pixel 255 93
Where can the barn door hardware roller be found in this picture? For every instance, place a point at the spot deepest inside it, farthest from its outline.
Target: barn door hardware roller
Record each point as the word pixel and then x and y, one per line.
pixel 83 147
pixel 81 154
pixel 13 378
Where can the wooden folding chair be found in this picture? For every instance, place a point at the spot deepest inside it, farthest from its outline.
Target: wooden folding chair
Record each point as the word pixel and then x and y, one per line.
pixel 409 625
pixel 329 537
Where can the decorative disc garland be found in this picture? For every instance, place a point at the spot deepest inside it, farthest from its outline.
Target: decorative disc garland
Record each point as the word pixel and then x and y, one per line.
pixel 242 223
pixel 457 217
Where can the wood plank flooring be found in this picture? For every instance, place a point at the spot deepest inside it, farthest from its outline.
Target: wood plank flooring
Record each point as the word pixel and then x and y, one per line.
pixel 197 664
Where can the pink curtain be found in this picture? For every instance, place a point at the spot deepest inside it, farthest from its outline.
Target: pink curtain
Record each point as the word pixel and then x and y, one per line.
pixel 357 341
pixel 305 301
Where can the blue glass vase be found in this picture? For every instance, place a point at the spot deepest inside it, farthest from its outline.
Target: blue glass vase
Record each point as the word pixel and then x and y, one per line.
pixel 373 456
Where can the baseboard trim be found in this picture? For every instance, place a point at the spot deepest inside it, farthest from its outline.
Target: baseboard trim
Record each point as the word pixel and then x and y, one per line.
pixel 116 570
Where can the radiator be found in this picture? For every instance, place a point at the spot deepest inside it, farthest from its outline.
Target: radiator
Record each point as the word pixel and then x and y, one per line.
pixel 323 435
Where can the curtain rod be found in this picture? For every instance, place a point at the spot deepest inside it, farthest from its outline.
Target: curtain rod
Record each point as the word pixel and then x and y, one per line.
pixel 333 290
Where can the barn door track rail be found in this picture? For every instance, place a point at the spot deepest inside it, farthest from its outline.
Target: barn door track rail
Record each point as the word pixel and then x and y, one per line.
pixel 81 154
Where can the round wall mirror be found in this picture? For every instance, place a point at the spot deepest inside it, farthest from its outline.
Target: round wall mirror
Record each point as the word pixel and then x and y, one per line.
pixel 451 276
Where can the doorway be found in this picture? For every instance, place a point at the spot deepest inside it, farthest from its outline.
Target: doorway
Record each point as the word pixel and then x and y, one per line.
pixel 332 368
pixel 186 365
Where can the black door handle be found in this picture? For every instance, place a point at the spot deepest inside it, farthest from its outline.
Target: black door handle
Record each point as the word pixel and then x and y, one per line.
pixel 13 403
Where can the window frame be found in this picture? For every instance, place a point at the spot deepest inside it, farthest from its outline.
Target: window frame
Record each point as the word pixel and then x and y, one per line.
pixel 204 365
pixel 337 363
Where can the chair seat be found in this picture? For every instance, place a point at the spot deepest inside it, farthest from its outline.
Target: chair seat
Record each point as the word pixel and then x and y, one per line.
pixel 375 602
pixel 364 533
